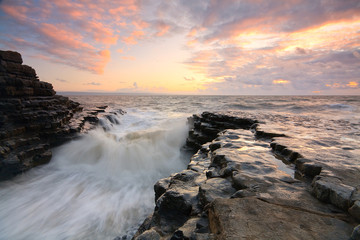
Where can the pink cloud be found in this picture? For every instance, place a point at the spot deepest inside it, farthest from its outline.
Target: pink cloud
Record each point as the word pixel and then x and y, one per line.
pixel 59 35
pixel 19 13
pixel 162 28
pixel 76 33
pixel 133 38
pixel 126 8
pixel 101 33
pixel 104 57
pixel 139 24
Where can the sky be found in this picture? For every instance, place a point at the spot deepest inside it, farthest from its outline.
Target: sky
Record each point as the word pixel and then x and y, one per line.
pixel 241 47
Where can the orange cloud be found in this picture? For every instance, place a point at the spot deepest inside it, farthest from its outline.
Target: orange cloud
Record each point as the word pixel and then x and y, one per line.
pixel 338 85
pixel 133 38
pixel 103 58
pixel 280 81
pixel 192 32
pixel 331 36
pixel 352 84
pixel 131 58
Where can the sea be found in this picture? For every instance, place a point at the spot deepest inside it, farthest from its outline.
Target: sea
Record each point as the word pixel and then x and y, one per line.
pixel 100 185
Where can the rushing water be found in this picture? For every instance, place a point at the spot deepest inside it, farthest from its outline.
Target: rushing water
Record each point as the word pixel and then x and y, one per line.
pixel 101 185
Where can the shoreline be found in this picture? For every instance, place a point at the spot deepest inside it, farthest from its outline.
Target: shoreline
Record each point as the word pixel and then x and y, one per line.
pixel 234 173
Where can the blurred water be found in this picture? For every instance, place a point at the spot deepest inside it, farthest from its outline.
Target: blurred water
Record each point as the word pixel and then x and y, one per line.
pixel 101 185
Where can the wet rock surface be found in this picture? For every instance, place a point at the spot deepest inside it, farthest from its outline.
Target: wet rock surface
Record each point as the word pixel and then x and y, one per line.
pixel 251 218
pixel 245 182
pixel 33 118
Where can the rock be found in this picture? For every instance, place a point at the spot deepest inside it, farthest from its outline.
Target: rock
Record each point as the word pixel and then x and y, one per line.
pixel 331 190
pixel 235 188
pixel 241 181
pixel 173 209
pixel 244 193
pixel 268 135
pixel 212 173
pixel 285 152
pixel 121 238
pixel 250 218
pixel 91 119
pixel 178 235
pixel 214 146
pixel 9 56
pixel 308 168
pixel 356 233
pixel 206 126
pixel 42 158
pixel 215 188
pixel 31 117
pixel 148 235
pixel 354 210
pixel 160 187
pixel 173 200
pixel 146 225
pixel 185 176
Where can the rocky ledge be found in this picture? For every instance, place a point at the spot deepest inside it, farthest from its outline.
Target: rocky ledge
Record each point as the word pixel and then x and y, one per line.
pixel 32 117
pixel 240 184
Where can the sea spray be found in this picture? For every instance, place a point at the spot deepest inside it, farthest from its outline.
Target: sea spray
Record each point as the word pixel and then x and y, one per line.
pixel 97 187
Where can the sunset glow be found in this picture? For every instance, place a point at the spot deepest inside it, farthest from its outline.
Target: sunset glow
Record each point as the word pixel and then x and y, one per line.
pixel 188 47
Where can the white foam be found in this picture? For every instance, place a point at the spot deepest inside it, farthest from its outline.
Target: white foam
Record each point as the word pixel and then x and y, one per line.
pixel 97 187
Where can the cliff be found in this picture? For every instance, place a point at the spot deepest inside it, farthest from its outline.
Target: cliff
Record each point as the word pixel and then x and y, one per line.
pixel 32 117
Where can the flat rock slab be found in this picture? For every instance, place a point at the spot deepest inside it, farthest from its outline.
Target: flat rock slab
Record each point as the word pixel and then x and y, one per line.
pixel 251 218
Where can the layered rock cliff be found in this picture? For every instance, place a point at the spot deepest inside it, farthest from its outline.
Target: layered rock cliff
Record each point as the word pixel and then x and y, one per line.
pixel 32 117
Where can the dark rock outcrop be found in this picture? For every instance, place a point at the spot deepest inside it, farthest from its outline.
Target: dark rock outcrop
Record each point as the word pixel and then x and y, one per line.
pixel 240 185
pixel 205 127
pixel 32 117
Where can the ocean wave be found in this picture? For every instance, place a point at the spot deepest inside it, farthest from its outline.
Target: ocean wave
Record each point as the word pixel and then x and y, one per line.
pixel 97 187
pixel 339 106
pixel 239 106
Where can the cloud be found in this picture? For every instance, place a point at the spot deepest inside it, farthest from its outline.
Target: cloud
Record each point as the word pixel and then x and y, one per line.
pixel 189 79
pixel 261 44
pixel 352 84
pixel 75 33
pixel 234 46
pixel 134 88
pixel 93 83
pixel 300 50
pixel 226 19
pixel 134 37
pixel 162 29
pixel 61 80
pixel 129 58
pixel 280 81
